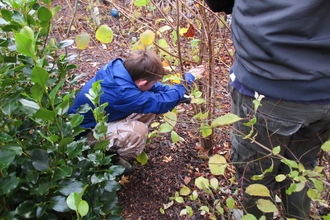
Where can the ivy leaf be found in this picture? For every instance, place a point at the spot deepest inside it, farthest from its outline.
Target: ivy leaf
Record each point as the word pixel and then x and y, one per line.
pixel 104 34
pixel 147 37
pixel 257 190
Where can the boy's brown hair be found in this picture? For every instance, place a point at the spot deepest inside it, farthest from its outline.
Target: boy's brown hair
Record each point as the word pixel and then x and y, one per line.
pixel 144 64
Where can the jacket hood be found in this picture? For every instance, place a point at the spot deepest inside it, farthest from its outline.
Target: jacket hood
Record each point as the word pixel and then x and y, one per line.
pixel 113 74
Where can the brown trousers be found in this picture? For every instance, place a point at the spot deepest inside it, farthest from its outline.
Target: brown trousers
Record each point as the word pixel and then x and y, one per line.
pixel 128 136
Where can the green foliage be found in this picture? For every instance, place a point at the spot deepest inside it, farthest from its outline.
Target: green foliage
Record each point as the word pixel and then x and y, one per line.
pixel 41 164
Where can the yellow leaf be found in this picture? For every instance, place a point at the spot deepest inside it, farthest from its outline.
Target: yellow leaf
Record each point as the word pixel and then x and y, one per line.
pixel 257 190
pixel 217 164
pixel 175 80
pixel 147 37
pixel 266 206
pixel 104 34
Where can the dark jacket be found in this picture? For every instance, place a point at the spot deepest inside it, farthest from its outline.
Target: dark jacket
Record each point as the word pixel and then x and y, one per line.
pixel 124 97
pixel 283 47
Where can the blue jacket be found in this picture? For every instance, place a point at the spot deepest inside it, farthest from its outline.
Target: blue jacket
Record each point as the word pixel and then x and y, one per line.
pixel 124 97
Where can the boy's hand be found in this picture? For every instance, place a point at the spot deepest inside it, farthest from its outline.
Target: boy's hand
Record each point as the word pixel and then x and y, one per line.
pixel 197 72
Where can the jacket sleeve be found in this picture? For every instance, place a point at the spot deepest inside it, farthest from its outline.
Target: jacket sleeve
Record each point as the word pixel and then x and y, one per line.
pixel 221 5
pixel 149 101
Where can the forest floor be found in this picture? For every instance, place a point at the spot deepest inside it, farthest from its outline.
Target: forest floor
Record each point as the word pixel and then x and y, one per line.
pixel 171 166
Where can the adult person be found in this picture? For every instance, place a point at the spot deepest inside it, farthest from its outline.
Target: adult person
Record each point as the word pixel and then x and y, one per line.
pixel 282 52
pixel 134 96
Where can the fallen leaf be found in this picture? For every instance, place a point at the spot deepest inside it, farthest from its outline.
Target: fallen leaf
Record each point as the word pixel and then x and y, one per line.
pixel 167 159
pixel 123 180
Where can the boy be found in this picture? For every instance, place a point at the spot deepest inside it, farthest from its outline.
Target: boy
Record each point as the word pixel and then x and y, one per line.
pixel 134 96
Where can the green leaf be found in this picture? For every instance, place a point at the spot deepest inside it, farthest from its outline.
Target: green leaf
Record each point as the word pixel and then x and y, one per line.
pixel 45 114
pixel 104 34
pixel 24 45
pixel 40 160
pixel 266 206
pixel 28 32
pixel 72 186
pixel 30 104
pixel 164 28
pixel 249 217
pixel 225 120
pixel 214 182
pixel 76 120
pixel 83 208
pixel 6 14
pixel 230 203
pixel 175 137
pixel 326 146
pixel 184 191
pixel 280 178
pixel 202 183
pixel 37 92
pixel 179 199
pixel 73 201
pixel 58 203
pixel 44 14
pixel 4 137
pixel 141 2
pixel 206 130
pixel 40 76
pixel 8 184
pixel 6 158
pixel 170 118
pixel 276 150
pixel 313 194
pixel 257 190
pixel 82 40
pixel 142 158
pixel 27 209
pixel 217 164
pixel 111 186
pixel 327 217
pixel 102 145
pixel 165 128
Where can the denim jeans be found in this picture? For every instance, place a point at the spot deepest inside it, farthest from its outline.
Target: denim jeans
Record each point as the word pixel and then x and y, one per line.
pixel 299 129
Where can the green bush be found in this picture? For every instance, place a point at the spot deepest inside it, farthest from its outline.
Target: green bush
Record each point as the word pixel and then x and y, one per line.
pixel 44 172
